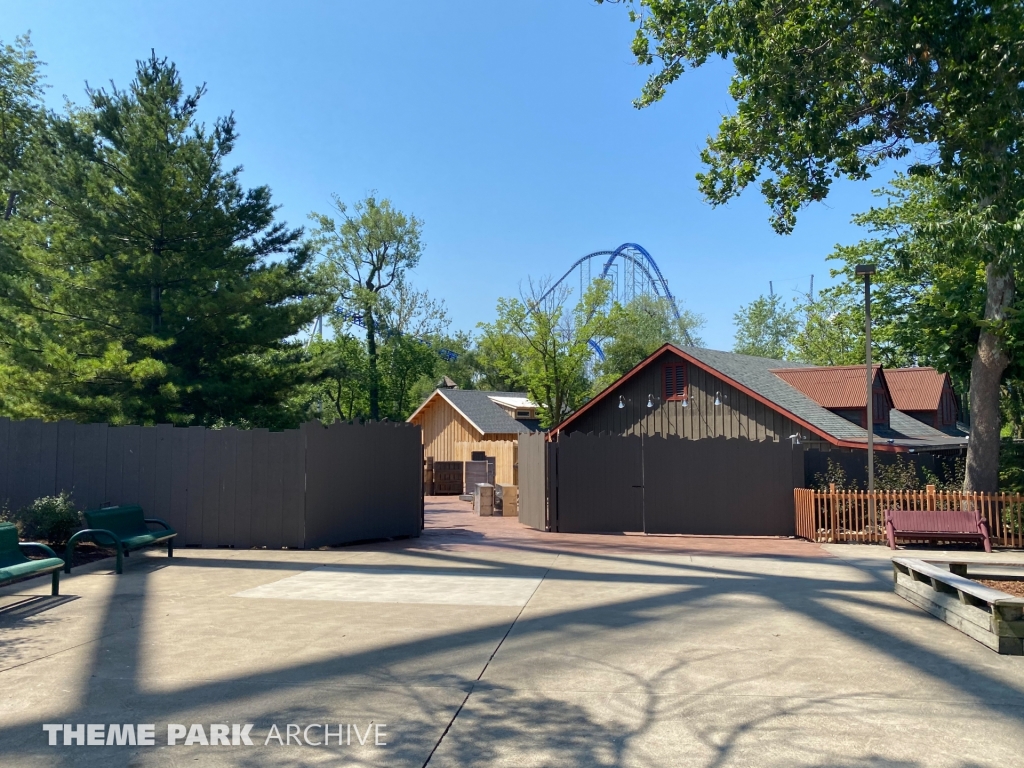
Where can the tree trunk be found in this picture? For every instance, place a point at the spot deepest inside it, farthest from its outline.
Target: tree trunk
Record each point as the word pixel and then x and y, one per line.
pixel 371 353
pixel 11 198
pixel 990 360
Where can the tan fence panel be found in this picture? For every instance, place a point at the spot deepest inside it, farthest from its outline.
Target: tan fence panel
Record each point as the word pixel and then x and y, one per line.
pixel 859 517
pixel 533 480
pixel 505 457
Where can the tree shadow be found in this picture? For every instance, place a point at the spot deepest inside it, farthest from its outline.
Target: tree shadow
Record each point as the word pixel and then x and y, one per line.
pixel 499 718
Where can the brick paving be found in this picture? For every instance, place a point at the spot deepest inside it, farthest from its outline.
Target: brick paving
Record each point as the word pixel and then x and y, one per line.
pixel 451 524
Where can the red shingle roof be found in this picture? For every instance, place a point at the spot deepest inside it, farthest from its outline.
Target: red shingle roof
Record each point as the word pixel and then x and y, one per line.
pixel 836 387
pixel 915 389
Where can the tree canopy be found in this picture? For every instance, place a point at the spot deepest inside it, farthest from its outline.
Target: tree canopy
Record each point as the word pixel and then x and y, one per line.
pixel 833 89
pixel 146 283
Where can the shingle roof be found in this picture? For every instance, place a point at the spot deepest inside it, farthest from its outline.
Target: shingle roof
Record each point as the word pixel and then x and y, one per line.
pixel 486 415
pixel 756 374
pixel 915 389
pixel 838 386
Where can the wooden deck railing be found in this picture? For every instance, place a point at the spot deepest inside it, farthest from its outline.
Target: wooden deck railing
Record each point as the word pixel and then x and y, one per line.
pixel 859 517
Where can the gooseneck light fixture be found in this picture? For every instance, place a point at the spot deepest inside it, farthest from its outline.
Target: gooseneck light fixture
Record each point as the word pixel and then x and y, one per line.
pixel 650 401
pixel 718 398
pixel 622 403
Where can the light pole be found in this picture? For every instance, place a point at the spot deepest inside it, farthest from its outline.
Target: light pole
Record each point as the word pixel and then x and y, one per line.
pixel 867 270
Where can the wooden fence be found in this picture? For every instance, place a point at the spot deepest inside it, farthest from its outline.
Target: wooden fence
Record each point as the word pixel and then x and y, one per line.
pixel 307 487
pixel 503 451
pixel 859 517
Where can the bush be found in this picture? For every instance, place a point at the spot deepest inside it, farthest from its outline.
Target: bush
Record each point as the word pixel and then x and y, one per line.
pixel 50 518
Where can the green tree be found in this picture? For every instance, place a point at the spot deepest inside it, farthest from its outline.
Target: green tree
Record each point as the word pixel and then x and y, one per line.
pixel 499 359
pixel 928 303
pixel 831 332
pixel 365 254
pixel 413 326
pixel 638 328
pixel 23 118
pixel 155 287
pixel 766 327
pixel 833 89
pixel 338 388
pixel 540 337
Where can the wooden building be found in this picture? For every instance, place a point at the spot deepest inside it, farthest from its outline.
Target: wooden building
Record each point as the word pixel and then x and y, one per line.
pixel 698 393
pixel 457 422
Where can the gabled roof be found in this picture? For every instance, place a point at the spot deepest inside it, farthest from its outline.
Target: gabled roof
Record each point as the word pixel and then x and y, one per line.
pixel 835 387
pixel 916 389
pixel 480 410
pixel 758 377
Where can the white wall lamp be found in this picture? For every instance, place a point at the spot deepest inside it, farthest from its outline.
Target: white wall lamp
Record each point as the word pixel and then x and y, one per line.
pixel 622 403
pixel 718 398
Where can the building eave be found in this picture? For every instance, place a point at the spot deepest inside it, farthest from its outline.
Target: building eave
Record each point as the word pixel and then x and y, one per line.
pixel 440 393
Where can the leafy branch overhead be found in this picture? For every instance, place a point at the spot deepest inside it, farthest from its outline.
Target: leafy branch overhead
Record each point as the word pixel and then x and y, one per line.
pixel 832 89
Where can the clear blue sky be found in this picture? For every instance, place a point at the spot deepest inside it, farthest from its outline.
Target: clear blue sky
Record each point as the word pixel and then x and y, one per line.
pixel 507 127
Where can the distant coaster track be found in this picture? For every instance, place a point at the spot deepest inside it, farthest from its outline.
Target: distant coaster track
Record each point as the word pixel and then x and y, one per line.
pixel 632 272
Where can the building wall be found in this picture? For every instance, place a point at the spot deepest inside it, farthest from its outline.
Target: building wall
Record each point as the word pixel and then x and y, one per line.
pixel 448 436
pixel 739 415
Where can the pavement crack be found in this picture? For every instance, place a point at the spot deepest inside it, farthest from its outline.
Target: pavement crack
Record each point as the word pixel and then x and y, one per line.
pixel 488 662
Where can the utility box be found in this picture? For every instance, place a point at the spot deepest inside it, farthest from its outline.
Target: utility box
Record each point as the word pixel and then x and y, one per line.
pixel 506 500
pixel 483 499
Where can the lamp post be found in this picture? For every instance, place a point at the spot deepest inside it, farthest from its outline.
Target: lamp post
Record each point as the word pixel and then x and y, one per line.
pixel 867 270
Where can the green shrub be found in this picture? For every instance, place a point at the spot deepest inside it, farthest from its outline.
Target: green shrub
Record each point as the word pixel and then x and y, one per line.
pixel 50 518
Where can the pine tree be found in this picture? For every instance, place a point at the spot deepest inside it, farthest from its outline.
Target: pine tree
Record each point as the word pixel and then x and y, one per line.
pixel 159 288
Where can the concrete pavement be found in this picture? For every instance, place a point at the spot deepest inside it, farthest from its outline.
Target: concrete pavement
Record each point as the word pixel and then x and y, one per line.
pixel 484 643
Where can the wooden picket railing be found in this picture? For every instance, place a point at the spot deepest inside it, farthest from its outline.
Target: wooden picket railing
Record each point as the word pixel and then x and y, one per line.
pixel 859 517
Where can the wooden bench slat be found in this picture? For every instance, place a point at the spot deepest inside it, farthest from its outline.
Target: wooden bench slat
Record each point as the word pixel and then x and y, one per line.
pixel 973 588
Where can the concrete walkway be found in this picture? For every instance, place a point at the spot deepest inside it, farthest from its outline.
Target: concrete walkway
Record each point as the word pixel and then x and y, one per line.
pixel 486 644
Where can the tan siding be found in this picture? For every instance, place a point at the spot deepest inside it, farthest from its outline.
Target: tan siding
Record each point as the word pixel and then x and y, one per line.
pixel 448 436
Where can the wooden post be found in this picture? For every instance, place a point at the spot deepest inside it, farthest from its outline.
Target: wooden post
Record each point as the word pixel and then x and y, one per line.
pixel 832 509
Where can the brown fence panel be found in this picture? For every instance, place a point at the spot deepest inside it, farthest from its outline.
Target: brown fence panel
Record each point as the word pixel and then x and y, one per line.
pixel 600 481
pixel 23 475
pixel 363 481
pixel 275 491
pixel 533 480
pixel 720 486
pixel 147 471
pixel 175 445
pixel 49 443
pixel 90 465
pixel 226 487
pixel 242 535
pixel 260 485
pixel 293 489
pixel 5 460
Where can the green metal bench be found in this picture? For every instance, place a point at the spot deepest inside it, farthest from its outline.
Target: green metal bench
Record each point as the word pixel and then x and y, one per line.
pixel 125 528
pixel 14 566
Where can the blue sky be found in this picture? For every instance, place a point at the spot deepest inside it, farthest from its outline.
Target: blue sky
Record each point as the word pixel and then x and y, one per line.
pixel 507 127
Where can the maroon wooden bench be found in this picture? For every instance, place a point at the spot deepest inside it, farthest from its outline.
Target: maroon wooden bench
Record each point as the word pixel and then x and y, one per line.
pixel 936 525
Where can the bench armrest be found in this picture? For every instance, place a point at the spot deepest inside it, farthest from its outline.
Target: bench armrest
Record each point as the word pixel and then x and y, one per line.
pixel 41 546
pixel 93 532
pixel 158 521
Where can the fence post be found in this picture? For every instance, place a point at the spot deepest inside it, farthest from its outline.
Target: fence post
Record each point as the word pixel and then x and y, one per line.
pixel 832 509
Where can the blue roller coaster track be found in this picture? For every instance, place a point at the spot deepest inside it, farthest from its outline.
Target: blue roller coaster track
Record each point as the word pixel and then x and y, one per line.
pixel 635 274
